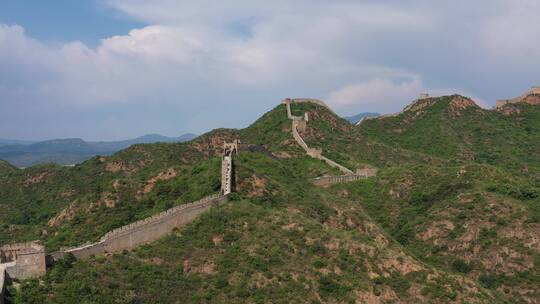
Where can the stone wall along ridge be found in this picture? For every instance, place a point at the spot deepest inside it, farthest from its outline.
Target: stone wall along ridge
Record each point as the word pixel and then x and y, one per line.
pixel 309 100
pixel 146 230
pixel 22 247
pixel 296 121
pixel 532 91
pixel 330 180
pixel 158 216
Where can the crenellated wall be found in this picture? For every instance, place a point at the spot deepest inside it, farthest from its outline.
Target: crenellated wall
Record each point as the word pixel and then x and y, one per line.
pixel 300 123
pixel 306 100
pixel 145 231
pixel 330 180
pixel 324 181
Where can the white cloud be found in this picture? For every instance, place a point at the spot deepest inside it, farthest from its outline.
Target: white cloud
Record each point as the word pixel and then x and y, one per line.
pixel 385 94
pixel 360 54
pixel 513 32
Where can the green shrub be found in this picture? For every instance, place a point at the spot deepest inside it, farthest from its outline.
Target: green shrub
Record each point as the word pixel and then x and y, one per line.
pixel 460 266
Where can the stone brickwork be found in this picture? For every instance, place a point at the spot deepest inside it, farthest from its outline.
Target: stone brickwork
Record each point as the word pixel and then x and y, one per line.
pixel 325 181
pixel 227 169
pixel 23 260
pixel 145 231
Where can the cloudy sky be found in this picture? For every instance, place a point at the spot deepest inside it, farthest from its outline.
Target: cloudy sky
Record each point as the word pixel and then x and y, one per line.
pixel 114 69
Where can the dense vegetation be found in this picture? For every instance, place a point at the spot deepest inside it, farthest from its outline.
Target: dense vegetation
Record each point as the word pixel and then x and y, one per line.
pixel 453 215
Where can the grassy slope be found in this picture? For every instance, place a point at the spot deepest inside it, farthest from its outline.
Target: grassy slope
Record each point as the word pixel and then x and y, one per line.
pixel 286 243
pixel 282 234
pixel 87 192
pixel 477 219
pixel 444 130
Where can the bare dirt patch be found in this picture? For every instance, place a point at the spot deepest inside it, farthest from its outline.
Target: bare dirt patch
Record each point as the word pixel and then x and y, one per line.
pixel 66 214
pixel 458 105
pixel 36 178
pixel 162 176
pixel 255 186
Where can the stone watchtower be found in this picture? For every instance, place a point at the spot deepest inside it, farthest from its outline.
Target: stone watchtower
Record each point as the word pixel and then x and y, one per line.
pixel 24 260
pixel 227 167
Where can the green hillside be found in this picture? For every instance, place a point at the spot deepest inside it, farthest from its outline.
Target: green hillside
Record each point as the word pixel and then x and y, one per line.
pixel 6 168
pixel 452 217
pixel 455 128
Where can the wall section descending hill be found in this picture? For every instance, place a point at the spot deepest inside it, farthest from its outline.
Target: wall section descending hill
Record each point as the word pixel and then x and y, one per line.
pixel 145 231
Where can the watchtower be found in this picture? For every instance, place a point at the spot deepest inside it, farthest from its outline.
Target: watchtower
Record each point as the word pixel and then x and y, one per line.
pixel 227 166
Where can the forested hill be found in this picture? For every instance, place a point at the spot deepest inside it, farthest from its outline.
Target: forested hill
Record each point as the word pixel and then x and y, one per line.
pixel 453 215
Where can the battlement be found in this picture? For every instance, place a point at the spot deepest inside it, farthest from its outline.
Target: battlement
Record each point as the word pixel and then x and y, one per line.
pixel 154 218
pixel 299 124
pixel 23 260
pixel 306 100
pixel 144 231
pixel 10 252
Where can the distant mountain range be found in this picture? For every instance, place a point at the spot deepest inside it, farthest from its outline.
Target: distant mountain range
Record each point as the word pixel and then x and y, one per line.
pixel 7 142
pixel 71 150
pixel 356 118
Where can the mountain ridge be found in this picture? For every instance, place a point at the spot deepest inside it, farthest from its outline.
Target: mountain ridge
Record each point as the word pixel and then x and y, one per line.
pixel 69 151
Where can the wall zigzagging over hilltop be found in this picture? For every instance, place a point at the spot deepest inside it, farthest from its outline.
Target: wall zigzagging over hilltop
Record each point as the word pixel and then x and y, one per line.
pixel 300 123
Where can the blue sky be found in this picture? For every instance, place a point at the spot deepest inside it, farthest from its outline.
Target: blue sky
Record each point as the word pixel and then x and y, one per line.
pixel 67 20
pixel 113 69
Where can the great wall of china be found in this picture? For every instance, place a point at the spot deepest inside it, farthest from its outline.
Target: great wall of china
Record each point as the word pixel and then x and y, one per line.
pixel 26 260
pixel 144 231
pixel 299 124
pixel 530 92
